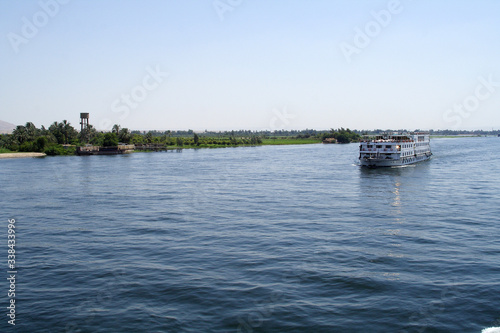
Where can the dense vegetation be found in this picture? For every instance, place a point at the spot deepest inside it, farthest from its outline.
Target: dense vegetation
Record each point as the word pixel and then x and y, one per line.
pixel 62 138
pixel 50 140
pixel 342 135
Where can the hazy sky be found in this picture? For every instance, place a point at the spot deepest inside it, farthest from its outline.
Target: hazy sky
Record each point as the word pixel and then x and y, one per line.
pixel 252 64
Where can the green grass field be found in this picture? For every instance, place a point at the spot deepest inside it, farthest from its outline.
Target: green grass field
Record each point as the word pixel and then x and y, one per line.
pixel 5 150
pixel 289 141
pixel 452 136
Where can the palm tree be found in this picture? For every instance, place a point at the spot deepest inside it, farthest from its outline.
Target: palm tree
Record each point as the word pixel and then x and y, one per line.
pixel 44 131
pixel 116 129
pixel 56 130
pixel 124 135
pixel 88 134
pixel 65 129
pixel 69 133
pixel 31 131
pixel 20 134
pixel 148 137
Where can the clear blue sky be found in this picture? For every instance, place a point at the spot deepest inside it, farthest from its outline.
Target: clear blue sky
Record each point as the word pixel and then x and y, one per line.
pixel 252 64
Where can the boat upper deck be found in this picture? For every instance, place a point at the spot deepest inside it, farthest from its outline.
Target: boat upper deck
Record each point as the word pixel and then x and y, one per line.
pixel 395 137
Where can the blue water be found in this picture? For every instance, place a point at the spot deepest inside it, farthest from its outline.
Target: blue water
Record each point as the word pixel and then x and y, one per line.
pixel 255 239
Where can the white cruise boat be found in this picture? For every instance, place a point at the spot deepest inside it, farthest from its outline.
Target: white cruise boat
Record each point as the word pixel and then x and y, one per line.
pixel 394 149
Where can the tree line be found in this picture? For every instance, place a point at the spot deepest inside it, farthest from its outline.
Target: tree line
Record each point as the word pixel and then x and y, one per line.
pixel 61 138
pixel 342 135
pixel 29 138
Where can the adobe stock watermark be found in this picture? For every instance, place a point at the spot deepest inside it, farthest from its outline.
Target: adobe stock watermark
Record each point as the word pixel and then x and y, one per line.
pixel 223 6
pixel 131 101
pixel 426 316
pixel 31 27
pixel 207 190
pixel 103 298
pixel 280 119
pixel 12 271
pixel 372 29
pixel 265 309
pixel 470 104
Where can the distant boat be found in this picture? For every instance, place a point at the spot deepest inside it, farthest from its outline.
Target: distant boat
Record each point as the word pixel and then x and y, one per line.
pixel 395 149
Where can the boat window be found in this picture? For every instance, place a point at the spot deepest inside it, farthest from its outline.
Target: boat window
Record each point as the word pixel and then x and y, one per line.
pixel 379 146
pixel 388 146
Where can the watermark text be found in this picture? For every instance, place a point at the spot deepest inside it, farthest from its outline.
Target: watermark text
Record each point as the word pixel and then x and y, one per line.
pixel 11 273
pixel 223 6
pixel 470 104
pixel 372 29
pixel 31 27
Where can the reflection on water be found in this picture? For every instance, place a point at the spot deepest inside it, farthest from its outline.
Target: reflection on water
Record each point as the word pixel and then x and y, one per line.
pixel 397 196
pixel 216 234
pixel 388 195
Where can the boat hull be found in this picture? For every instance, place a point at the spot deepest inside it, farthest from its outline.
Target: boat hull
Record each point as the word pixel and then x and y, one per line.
pixel 380 163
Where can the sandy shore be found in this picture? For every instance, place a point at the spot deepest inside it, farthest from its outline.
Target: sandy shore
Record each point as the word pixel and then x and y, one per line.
pixel 21 155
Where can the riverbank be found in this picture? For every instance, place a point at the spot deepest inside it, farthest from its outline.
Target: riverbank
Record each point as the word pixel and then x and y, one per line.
pixel 289 141
pixel 21 155
pixel 453 136
pixel 264 142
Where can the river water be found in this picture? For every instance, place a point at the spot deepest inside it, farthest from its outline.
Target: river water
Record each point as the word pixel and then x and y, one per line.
pixel 255 239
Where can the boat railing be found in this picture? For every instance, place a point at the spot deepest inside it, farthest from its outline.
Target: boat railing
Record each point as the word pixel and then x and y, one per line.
pixel 392 150
pixel 384 141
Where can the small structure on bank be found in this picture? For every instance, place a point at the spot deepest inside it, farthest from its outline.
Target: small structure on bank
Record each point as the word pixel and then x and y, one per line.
pixel 97 150
pixel 84 126
pixel 330 140
pixel 84 121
